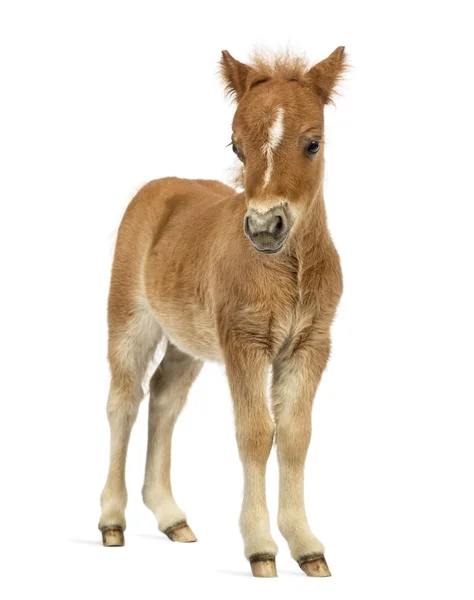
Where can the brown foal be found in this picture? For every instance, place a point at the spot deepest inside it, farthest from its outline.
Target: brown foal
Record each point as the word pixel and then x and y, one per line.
pixel 251 279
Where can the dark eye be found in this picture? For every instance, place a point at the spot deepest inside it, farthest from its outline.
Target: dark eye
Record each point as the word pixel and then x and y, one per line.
pixel 312 148
pixel 237 152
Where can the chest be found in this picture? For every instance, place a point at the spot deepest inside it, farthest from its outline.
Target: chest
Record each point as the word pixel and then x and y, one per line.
pixel 283 304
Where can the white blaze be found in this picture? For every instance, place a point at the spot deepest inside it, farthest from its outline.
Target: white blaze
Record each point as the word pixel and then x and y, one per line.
pixel 275 135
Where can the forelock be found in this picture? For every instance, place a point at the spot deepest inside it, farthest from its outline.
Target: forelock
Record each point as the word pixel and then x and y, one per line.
pixel 281 65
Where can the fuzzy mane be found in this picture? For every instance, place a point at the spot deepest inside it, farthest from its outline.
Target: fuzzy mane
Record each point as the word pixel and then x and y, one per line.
pixel 324 76
pixel 280 65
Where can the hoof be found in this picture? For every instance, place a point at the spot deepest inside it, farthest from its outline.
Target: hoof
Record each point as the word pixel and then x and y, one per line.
pixel 315 566
pixel 263 565
pixel 181 532
pixel 113 536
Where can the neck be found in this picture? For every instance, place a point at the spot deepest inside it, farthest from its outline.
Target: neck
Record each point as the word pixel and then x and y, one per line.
pixel 316 220
pixel 312 232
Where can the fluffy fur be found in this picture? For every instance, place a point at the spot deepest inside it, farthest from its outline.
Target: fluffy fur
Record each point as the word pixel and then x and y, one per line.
pixel 265 66
pixel 184 271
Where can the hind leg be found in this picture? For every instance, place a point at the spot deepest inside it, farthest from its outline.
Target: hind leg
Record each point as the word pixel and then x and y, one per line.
pixel 130 350
pixel 169 389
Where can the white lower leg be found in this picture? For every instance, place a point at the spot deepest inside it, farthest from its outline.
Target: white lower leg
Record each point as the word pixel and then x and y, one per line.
pixel 295 380
pixel 292 520
pixel 113 499
pixel 293 436
pixel 157 492
pixel 169 388
pixel 254 519
pixel 254 431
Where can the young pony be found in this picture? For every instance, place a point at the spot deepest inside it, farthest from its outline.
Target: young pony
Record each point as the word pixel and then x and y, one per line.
pixel 250 279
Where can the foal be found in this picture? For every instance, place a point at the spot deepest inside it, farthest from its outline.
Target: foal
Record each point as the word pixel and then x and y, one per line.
pixel 251 279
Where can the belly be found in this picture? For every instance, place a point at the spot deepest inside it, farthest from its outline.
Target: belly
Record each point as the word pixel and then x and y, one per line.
pixel 188 327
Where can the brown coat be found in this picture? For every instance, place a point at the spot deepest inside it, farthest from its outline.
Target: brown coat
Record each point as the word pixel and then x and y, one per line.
pixel 251 279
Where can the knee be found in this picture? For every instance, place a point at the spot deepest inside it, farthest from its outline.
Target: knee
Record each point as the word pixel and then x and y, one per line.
pixel 293 438
pixel 124 399
pixel 255 438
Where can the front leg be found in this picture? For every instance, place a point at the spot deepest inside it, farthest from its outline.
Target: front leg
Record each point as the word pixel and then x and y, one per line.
pixel 296 375
pixel 246 371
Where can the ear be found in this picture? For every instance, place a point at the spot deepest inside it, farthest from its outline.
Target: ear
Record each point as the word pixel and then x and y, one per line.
pixel 237 77
pixel 326 75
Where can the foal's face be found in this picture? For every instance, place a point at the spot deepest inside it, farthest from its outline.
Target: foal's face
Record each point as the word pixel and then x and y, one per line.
pixel 278 134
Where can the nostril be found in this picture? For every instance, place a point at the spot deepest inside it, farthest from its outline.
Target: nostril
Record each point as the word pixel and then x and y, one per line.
pixel 247 226
pixel 278 228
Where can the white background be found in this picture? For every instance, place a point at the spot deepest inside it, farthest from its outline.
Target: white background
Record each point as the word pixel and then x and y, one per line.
pixel 99 97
